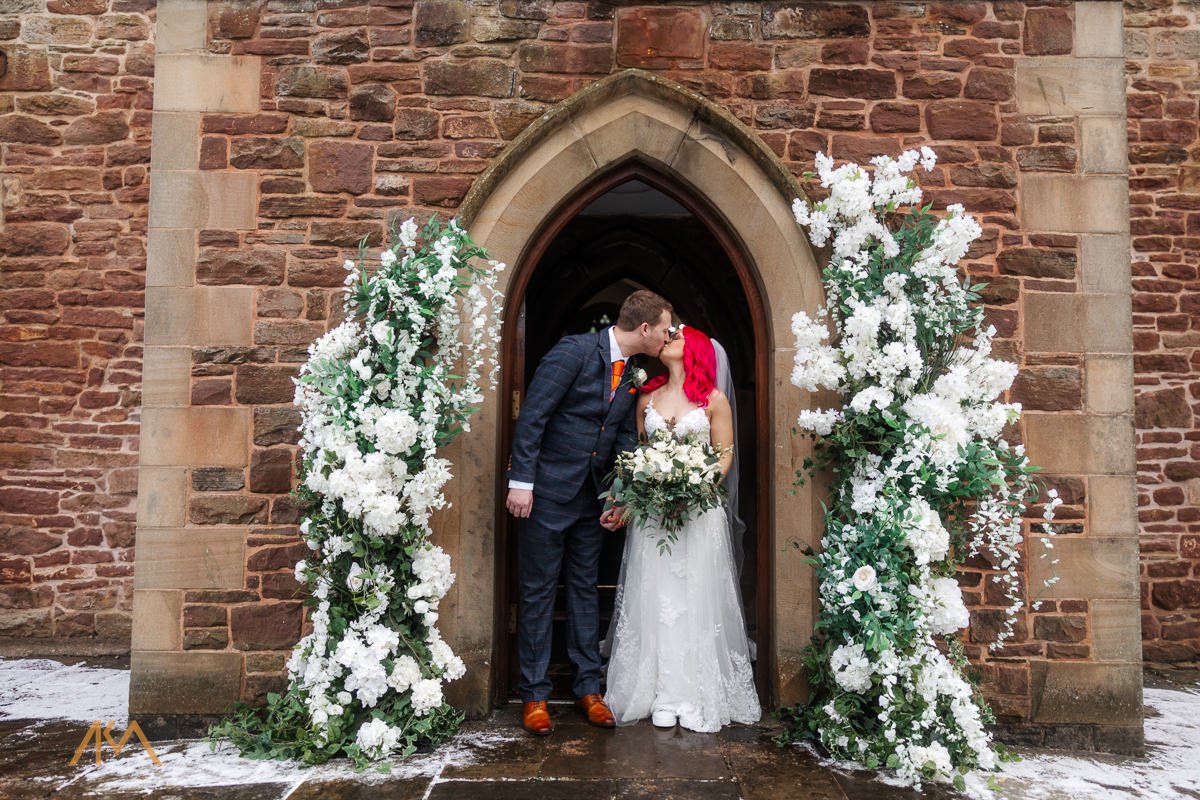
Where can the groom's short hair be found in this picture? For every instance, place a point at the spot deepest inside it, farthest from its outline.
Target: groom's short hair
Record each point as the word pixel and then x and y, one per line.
pixel 642 306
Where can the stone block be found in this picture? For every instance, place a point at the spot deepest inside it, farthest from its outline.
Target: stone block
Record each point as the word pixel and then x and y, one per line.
pixel 791 20
pixel 195 436
pixel 437 23
pixel 1116 630
pixel 1099 29
pixel 340 167
pixel 1047 31
pixel 1087 569
pixel 1080 445
pixel 27 130
pixel 227 509
pixel 170 257
pixel 1112 506
pixel 206 82
pixel 1048 389
pixel 1110 385
pixel 1105 145
pixel 374 102
pixel 198 316
pixel 341 47
pixel 1162 408
pixel 182 26
pixel 561 57
pixel 195 682
pixel 175 140
pixel 166 375
pixel 657 37
pixel 1070 86
pixel 26 70
pixel 265 626
pixel 262 266
pixel 156 619
pixel 1081 692
pixel 162 496
pixel 1056 322
pixel 1073 204
pixel 870 84
pixel 190 558
pixel 267 152
pixel 480 77
pixel 1105 263
pixel 190 199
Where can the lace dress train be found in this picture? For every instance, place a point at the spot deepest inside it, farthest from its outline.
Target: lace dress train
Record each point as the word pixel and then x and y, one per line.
pixel 678 640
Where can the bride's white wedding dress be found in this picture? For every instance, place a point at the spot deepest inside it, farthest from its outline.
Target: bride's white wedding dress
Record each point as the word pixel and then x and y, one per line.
pixel 678 637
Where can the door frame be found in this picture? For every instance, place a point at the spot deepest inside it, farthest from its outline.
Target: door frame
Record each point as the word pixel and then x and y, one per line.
pixel 512 378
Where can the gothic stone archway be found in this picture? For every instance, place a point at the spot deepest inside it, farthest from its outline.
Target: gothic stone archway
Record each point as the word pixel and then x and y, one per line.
pixel 636 116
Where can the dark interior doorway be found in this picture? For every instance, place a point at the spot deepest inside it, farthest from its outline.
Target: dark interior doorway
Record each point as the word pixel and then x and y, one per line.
pixel 636 235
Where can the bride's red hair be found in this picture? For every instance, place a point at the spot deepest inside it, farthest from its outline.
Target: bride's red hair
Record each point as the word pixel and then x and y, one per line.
pixel 699 368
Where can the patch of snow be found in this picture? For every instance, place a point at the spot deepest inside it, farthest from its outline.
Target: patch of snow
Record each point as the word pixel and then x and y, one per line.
pixel 42 689
pixel 1171 768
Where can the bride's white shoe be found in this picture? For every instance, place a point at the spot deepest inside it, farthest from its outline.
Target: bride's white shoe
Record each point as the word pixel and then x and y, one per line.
pixel 664 719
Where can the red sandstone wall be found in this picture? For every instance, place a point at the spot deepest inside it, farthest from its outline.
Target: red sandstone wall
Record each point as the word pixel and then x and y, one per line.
pixel 75 99
pixel 1162 48
pixel 373 111
pixel 367 109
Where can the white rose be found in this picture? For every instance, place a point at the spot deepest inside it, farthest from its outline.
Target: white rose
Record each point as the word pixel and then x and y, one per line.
pixel 355 580
pixel 864 578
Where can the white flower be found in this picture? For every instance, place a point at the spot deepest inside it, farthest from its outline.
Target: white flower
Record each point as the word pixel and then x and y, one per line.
pixel 387 258
pixel 864 578
pixel 947 613
pixel 819 422
pixel 850 668
pixel 376 739
pixel 354 579
pixel 925 534
pixel 934 757
pixel 426 696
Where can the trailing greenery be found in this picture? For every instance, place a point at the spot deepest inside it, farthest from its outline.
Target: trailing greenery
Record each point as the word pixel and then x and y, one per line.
pixel 923 476
pixel 380 395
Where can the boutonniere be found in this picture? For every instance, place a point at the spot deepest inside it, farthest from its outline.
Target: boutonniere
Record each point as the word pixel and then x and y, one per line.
pixel 637 378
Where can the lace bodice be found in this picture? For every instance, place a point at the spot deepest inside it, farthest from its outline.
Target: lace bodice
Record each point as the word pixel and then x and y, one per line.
pixel 693 422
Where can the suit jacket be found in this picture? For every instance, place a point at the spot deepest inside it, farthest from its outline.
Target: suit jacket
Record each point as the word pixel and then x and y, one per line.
pixel 568 430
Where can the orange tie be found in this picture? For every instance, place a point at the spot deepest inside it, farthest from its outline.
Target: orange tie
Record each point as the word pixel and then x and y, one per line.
pixel 618 367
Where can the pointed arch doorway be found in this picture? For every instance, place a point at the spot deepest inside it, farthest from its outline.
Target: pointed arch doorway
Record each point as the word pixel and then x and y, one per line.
pixel 735 190
pixel 634 227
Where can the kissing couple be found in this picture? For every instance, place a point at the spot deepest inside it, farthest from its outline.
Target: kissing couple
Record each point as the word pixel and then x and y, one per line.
pixel 679 650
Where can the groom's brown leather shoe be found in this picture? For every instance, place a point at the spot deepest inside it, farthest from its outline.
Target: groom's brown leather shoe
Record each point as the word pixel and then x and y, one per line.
pixel 594 707
pixel 536 718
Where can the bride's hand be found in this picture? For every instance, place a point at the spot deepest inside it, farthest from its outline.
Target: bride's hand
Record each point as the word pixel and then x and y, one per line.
pixel 611 519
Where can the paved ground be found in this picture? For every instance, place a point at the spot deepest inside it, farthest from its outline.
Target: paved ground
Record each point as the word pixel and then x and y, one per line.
pixel 494 760
pixel 490 760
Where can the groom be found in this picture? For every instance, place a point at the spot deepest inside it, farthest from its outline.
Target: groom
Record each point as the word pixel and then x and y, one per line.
pixel 577 415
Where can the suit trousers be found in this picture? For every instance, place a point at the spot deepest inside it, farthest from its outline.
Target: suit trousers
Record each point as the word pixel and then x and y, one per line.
pixel 559 538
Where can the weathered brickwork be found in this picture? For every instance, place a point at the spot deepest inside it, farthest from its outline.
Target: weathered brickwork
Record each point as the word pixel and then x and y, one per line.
pixel 75 97
pixel 371 111
pixel 1162 48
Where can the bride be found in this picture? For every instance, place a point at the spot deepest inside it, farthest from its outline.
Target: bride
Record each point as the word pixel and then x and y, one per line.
pixel 679 651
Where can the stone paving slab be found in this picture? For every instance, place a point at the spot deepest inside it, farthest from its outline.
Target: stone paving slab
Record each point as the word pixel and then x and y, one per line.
pixel 494 758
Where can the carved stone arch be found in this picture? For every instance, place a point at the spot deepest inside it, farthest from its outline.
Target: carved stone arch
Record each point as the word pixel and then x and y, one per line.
pixel 640 117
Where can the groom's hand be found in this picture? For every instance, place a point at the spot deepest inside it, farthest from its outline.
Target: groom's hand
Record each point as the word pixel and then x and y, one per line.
pixel 611 519
pixel 520 502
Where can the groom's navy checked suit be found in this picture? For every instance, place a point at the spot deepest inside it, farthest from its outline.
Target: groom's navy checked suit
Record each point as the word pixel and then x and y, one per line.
pixel 566 438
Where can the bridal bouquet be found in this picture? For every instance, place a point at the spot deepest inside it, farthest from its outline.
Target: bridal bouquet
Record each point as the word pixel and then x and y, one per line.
pixel 666 481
